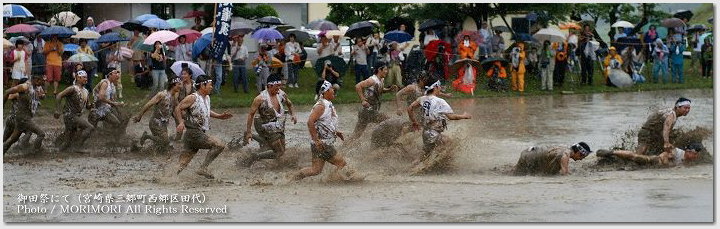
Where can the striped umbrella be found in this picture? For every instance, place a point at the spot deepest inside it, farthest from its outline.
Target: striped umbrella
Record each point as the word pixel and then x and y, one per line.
pixel 16 11
pixel 22 28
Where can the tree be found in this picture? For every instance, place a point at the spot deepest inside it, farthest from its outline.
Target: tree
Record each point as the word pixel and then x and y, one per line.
pixel 348 13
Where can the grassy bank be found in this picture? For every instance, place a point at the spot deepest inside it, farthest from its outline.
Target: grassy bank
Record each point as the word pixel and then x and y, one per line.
pixel 136 97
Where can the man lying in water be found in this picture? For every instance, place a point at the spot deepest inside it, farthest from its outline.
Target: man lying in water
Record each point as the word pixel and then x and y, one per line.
pixel 675 157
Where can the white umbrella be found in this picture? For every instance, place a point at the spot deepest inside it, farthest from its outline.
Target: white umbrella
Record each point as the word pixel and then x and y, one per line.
pixel 549 34
pixel 65 18
pixel 207 30
pixel 86 34
pixel 195 68
pixel 6 43
pixel 620 78
pixel 623 24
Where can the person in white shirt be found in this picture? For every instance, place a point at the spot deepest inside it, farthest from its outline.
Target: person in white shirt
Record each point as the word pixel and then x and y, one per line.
pixel 183 51
pixel 429 36
pixel 326 47
pixel 338 46
pixel 373 43
pixel 360 51
pixel 238 55
pixel 20 62
pixel 292 49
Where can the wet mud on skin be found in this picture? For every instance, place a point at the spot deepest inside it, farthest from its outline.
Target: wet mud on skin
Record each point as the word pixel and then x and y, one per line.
pixel 475 186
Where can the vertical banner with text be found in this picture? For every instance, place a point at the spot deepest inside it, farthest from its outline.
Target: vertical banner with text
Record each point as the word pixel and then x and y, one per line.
pixel 222 26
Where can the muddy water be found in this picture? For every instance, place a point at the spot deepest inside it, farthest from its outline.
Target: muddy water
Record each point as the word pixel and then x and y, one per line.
pixel 477 188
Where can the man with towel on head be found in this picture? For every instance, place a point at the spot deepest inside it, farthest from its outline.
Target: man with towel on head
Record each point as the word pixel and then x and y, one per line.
pixel 654 136
pixel 550 160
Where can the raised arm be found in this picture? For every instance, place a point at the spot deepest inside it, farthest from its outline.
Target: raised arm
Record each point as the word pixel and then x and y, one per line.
pixel 16 89
pixel 155 99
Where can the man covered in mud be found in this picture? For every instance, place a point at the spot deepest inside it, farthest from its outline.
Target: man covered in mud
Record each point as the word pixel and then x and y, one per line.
pixel 77 128
pixel 654 136
pixel 369 91
pixel 550 160
pixel 106 105
pixel 25 106
pixel 676 157
pixel 323 127
pixel 270 106
pixel 435 114
pixel 164 103
pixel 197 121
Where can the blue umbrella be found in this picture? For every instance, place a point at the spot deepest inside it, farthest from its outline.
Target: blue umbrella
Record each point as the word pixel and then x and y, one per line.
pixel 59 31
pixel 111 37
pixel 398 36
pixel 524 37
pixel 93 45
pixel 200 44
pixel 267 34
pixel 145 17
pixel 156 23
pixel 12 10
pixel 71 48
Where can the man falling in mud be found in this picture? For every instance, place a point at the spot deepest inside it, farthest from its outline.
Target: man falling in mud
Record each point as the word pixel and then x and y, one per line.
pixel 550 160
pixel 77 128
pixel 369 91
pixel 323 127
pixel 676 157
pixel 25 106
pixel 197 122
pixel 654 136
pixel 106 105
pixel 435 114
pixel 164 103
pixel 270 106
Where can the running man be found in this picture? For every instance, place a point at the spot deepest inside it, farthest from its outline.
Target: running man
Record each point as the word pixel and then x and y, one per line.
pixel 270 121
pixel 654 136
pixel 76 99
pixel 164 103
pixel 676 157
pixel 369 91
pixel 106 105
pixel 550 160
pixel 323 127
pixel 197 121
pixel 435 114
pixel 25 106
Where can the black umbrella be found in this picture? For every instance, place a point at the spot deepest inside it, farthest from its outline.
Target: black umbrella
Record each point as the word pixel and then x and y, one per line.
pixel 697 27
pixel 487 63
pixel 394 24
pixel 710 20
pixel 360 29
pixel 431 24
pixel 133 25
pixel 271 20
pixel 337 63
pixel 625 42
pixel 501 28
pixel 683 14
pixel 300 36
pixel 322 24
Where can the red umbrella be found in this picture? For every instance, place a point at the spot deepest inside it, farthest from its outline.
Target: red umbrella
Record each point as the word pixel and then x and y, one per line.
pixel 190 36
pixel 21 28
pixel 431 50
pixel 194 13
pixel 474 36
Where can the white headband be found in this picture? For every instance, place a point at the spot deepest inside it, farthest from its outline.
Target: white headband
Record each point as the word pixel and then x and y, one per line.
pixel 274 82
pixel 176 80
pixel 683 103
pixel 428 88
pixel 203 82
pixel 325 87
pixel 82 73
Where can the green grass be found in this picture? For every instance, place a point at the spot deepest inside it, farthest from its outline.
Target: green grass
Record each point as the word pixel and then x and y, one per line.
pixel 702 14
pixel 135 98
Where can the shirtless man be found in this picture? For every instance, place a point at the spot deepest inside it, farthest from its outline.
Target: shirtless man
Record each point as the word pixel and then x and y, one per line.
pixel 76 99
pixel 197 121
pixel 164 103
pixel 654 136
pixel 25 106
pixel 666 159
pixel 270 106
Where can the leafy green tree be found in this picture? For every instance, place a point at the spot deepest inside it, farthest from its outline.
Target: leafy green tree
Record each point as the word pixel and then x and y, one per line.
pixel 348 13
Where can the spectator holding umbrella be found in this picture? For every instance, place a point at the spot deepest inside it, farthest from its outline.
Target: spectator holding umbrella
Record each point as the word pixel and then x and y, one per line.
pixel 395 56
pixel 38 59
pixel 91 69
pixel 113 60
pixel 649 38
pixel 706 57
pixel 373 44
pixel 90 25
pixel 326 47
pixel 612 61
pixel 360 52
pixel 292 50
pixel 183 51
pixel 53 51
pixel 561 61
pixel 547 65
pixel 157 64
pixel 497 43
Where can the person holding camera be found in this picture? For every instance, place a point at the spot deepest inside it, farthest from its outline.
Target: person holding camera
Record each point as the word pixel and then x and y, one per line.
pixel 331 75
pixel 587 56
